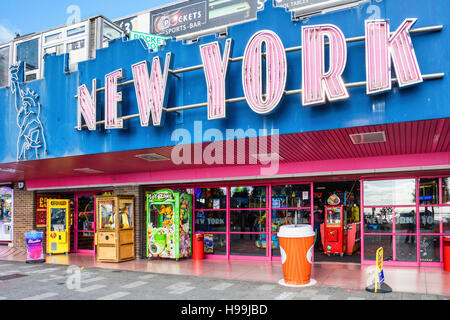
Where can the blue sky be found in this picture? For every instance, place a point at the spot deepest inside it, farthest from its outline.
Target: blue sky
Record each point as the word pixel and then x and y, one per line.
pixel 28 16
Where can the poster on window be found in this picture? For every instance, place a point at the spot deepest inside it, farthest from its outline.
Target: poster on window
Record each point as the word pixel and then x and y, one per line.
pixel 199 15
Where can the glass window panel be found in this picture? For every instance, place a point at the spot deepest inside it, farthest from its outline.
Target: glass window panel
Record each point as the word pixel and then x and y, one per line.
pixel 373 242
pixel 429 220
pixel 86 203
pixel 4 66
pixel 31 77
pixel 107 215
pixel 58 219
pixel 210 198
pixel 445 216
pixel 86 221
pixel 86 241
pixel 125 215
pixel 215 244
pixel 430 249
pixel 390 192
pixel 291 196
pixel 406 248
pixel 378 220
pixel 446 190
pixel 248 244
pixel 248 197
pixel 59 49
pixel 275 246
pixel 53 37
pixel 248 221
pixel 429 191
pixel 286 217
pixel 405 220
pixel 109 33
pixel 210 221
pixel 28 52
pixel 75 31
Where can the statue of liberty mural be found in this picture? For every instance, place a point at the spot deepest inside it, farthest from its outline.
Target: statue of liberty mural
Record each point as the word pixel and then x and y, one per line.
pixel 31 141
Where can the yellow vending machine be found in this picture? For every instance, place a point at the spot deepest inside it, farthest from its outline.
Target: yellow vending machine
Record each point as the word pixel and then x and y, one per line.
pixel 115 228
pixel 58 226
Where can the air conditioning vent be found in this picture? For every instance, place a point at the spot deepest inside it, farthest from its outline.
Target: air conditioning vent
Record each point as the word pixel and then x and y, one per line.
pixel 369 137
pixel 152 157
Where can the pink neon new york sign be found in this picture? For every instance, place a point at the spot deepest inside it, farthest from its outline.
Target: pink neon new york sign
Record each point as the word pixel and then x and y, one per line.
pixel 265 53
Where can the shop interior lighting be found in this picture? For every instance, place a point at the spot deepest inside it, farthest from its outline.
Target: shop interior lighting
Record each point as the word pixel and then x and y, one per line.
pixel 369 137
pixel 152 157
pixel 88 170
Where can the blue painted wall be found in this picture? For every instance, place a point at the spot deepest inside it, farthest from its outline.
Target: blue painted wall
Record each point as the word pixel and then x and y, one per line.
pixel 59 107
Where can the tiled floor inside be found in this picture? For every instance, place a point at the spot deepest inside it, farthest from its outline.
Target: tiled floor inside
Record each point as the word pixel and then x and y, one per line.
pixel 349 276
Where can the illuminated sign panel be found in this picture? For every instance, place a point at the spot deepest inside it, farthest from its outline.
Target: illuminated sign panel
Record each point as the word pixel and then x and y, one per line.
pixel 318 85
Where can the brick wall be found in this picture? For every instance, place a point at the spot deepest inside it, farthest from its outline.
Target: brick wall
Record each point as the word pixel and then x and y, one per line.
pixel 139 214
pixel 24 217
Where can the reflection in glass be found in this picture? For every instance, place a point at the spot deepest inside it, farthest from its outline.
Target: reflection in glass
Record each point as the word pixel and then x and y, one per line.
pixel 248 197
pixel 429 220
pixel 75 31
pixel 247 244
pixel 405 220
pixel 212 221
pixel 445 216
pixel 291 196
pixel 248 221
pixel 58 220
pixel 210 198
pixel 446 190
pixel 59 49
pixel 378 220
pixel 85 221
pixel 125 211
pixel 86 203
pixel 215 244
pixel 285 217
pixel 390 192
pixel 4 66
pixel 373 242
pixel 107 215
pixel 109 33
pixel 406 248
pixel 430 249
pixel 429 191
pixel 28 52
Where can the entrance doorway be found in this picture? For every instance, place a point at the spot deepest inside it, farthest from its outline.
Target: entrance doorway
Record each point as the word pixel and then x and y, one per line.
pixel 84 223
pixel 337 221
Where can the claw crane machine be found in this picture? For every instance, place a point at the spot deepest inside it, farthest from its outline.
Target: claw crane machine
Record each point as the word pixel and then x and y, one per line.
pixel 115 228
pixel 169 224
pixel 335 240
pixel 58 226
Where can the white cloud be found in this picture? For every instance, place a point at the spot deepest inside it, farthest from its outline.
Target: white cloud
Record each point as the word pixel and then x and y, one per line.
pixel 5 34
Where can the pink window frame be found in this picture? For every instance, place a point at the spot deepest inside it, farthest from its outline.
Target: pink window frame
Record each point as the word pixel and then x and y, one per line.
pixel 418 234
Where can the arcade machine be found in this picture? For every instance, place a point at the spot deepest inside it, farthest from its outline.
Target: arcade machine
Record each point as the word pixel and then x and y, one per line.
pixel 335 239
pixel 169 224
pixel 115 228
pixel 58 226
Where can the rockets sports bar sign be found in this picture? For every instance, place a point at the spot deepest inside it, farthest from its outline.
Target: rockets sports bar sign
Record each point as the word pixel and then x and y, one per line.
pixel 384 51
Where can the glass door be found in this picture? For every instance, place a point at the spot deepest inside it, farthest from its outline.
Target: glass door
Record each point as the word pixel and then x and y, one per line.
pixel 248 221
pixel 84 223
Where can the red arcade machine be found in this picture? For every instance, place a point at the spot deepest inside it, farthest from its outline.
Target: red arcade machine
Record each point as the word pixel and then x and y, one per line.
pixel 335 240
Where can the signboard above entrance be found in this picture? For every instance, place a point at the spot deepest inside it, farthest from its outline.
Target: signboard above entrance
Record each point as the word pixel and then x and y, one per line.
pixel 384 51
